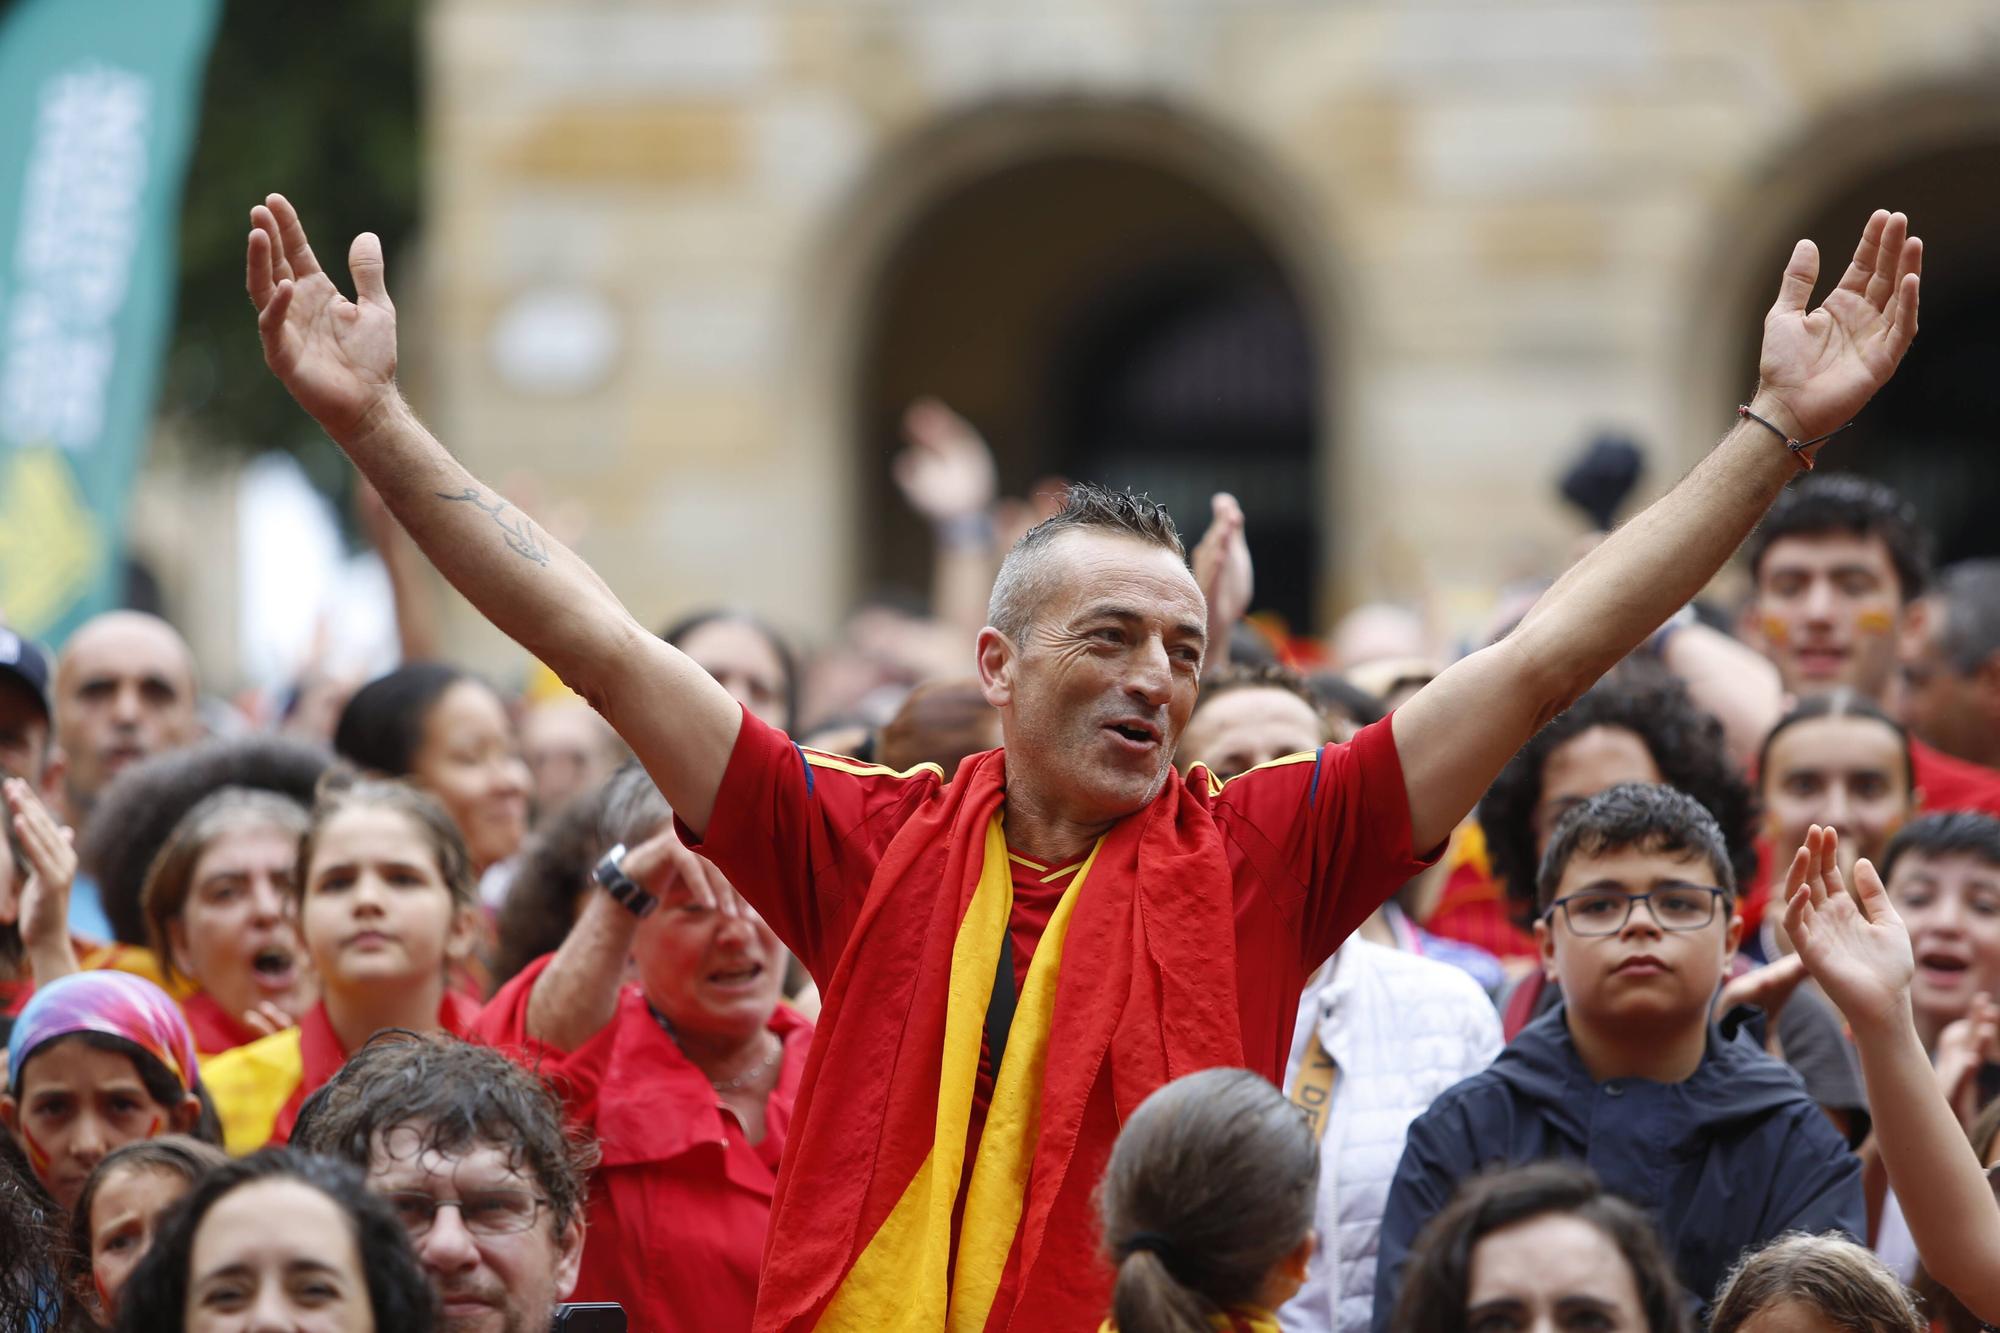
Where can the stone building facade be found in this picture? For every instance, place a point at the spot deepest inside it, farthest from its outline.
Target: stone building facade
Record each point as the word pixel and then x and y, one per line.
pixel 684 261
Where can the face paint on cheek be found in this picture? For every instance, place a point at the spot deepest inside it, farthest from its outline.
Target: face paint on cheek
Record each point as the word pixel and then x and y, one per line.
pixel 1776 630
pixel 1874 622
pixel 38 1156
pixel 153 1127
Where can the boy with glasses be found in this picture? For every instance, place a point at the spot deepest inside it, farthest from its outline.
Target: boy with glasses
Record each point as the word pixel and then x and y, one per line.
pixel 1715 1139
pixel 471 1152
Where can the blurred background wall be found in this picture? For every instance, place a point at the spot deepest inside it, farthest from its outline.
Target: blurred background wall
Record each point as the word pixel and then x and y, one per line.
pixel 1378 268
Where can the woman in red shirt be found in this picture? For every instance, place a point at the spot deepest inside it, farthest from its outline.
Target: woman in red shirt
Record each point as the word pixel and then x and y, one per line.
pixel 219 916
pixel 687 1079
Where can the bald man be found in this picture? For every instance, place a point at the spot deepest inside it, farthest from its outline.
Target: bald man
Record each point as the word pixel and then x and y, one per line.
pixel 125 691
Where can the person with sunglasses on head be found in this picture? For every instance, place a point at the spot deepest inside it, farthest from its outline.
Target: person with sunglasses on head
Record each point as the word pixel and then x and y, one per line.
pixel 1711 1136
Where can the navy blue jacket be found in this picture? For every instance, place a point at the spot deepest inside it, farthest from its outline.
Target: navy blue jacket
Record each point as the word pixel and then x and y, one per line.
pixel 1732 1157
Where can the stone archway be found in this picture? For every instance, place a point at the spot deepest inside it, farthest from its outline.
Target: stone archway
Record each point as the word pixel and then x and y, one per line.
pixel 1932 432
pixel 1110 292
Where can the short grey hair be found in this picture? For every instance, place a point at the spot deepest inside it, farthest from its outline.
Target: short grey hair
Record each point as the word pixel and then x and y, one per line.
pixel 1969 593
pixel 1023 582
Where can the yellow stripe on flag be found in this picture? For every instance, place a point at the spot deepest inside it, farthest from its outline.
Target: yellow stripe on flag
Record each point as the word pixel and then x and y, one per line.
pixel 999 1187
pixel 899 1280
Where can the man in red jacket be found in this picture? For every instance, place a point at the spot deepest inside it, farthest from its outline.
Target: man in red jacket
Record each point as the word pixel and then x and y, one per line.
pixel 1012 961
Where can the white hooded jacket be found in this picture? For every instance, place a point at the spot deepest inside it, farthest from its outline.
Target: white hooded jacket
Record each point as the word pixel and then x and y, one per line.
pixel 1401 1029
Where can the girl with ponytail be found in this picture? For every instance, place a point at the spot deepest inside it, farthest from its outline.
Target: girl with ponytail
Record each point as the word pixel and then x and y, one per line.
pixel 1207 1206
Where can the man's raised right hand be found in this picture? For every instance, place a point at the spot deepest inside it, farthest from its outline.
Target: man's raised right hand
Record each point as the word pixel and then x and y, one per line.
pixel 336 356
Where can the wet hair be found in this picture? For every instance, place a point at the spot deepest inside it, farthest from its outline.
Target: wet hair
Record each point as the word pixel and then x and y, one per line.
pixel 138 810
pixel 399 1294
pixel 342 792
pixel 1687 747
pixel 1643 815
pixel 1948 1313
pixel 31 1297
pixel 165 893
pixel 1437 1281
pixel 1831 503
pixel 160 1082
pixel 1953 833
pixel 1969 593
pixel 1210 1185
pixel 1846 1286
pixel 169 1155
pixel 788 662
pixel 454 1096
pixel 382 727
pixel 1023 582
pixel 553 873
pixel 1842 702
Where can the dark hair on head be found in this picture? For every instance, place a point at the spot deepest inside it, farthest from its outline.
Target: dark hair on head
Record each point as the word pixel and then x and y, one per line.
pixel 553 873
pixel 1969 594
pixel 138 810
pixel 1952 833
pixel 1210 1185
pixel 1686 744
pixel 31 1294
pixel 1842 702
pixel 1023 580
pixel 408 1094
pixel 1436 1282
pixel 160 1082
pixel 1845 1285
pixel 342 792
pixel 171 878
pixel 382 726
pixel 169 1155
pixel 1340 696
pixel 1244 677
pixel 1644 815
pixel 788 662
pixel 1846 503
pixel 399 1294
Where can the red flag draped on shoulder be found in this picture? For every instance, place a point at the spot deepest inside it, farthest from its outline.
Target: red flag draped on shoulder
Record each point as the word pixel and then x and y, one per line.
pixel 1132 984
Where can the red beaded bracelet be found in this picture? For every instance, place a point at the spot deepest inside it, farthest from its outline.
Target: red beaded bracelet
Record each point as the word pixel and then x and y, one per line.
pixel 1798 447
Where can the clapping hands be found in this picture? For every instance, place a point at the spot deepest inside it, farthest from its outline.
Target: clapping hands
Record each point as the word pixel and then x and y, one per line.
pixel 1854 944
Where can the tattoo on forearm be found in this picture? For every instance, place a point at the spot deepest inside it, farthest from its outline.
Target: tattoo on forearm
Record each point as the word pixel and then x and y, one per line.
pixel 521 535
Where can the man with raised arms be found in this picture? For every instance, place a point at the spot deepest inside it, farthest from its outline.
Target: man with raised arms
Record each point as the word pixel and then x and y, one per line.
pixel 1013 960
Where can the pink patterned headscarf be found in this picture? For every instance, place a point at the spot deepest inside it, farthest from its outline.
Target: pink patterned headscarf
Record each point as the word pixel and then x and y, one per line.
pixel 115 1003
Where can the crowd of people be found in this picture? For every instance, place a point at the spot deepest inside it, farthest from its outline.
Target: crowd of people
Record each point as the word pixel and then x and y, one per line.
pixel 1081 951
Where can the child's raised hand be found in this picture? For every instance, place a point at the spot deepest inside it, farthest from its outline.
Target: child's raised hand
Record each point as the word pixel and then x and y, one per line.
pixel 1962 1049
pixel 1858 951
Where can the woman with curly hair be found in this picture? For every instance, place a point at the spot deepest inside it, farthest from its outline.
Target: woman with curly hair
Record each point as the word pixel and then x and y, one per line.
pixel 1639 725
pixel 1636 725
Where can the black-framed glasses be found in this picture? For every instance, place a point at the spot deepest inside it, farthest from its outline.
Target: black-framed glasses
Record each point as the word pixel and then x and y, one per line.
pixel 1605 911
pixel 495 1212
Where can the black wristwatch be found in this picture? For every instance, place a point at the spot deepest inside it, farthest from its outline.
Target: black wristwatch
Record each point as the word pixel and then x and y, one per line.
pixel 611 877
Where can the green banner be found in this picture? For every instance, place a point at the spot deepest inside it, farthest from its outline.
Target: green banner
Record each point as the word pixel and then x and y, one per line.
pixel 98 100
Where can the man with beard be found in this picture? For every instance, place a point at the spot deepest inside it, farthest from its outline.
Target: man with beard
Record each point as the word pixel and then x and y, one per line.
pixel 471 1153
pixel 1012 962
